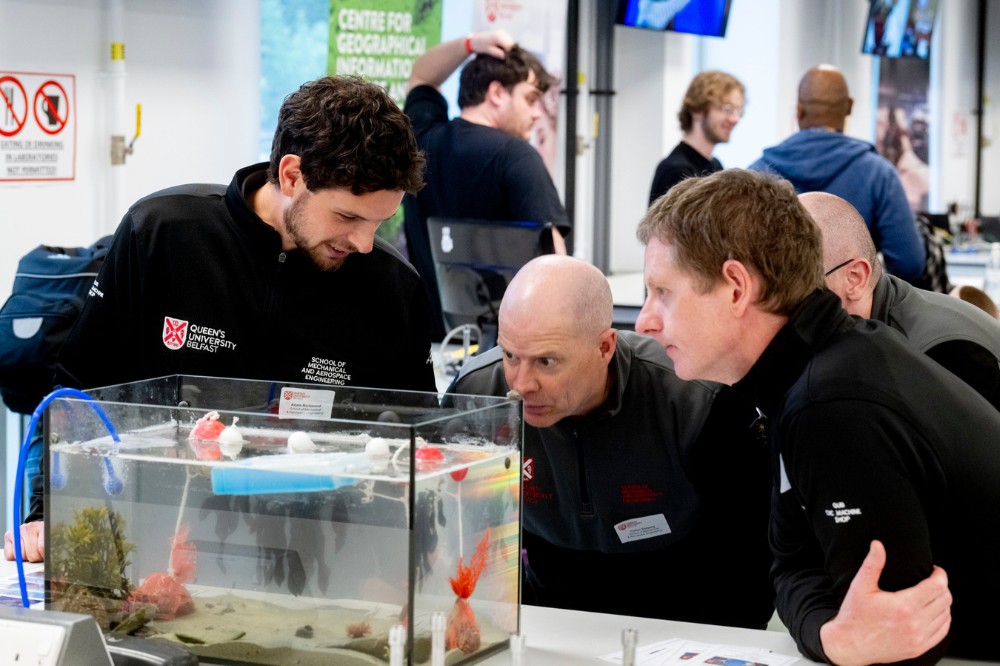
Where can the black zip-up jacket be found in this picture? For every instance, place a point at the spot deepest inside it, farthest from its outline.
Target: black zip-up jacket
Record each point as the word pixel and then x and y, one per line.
pixel 873 440
pixel 197 284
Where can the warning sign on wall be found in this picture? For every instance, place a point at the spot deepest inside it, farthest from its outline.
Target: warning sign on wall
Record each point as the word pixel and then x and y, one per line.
pixel 37 126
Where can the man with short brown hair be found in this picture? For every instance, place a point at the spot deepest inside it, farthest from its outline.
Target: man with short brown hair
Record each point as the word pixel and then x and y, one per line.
pixel 884 464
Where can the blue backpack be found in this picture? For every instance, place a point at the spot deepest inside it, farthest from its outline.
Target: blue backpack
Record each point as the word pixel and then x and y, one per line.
pixel 50 287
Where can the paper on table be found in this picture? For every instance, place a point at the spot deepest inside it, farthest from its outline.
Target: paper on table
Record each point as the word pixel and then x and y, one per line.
pixel 34 579
pixel 680 652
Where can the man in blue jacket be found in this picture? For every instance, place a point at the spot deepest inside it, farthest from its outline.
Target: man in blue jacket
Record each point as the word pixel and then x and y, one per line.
pixel 821 158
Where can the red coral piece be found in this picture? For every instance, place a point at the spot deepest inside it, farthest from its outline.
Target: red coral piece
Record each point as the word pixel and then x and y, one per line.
pixel 183 556
pixel 462 630
pixel 464 583
pixel 171 598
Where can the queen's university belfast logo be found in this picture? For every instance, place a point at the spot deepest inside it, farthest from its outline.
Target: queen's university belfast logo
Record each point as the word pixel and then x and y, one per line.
pixel 174 332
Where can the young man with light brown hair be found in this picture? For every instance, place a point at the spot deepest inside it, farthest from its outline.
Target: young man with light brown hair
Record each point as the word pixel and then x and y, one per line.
pixel 713 105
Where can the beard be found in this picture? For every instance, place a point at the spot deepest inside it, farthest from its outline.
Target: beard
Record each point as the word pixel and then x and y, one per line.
pixel 710 133
pixel 293 227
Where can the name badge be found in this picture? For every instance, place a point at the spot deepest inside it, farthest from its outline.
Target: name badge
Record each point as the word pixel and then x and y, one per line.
pixel 297 403
pixel 647 527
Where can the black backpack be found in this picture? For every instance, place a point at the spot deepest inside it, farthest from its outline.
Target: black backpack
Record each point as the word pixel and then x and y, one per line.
pixel 50 287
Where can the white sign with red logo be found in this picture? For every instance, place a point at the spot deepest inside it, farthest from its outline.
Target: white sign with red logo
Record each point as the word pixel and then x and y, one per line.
pixel 37 126
pixel 175 332
pixel 300 403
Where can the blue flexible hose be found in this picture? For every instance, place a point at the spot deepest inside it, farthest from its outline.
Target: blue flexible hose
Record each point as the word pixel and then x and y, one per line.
pixel 22 460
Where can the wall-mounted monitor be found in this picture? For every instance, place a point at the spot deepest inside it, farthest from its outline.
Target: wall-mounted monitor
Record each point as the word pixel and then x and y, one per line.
pixel 696 17
pixel 900 28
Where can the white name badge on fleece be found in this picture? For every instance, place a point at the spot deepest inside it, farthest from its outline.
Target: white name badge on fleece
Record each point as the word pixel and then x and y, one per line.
pixel 298 403
pixel 647 527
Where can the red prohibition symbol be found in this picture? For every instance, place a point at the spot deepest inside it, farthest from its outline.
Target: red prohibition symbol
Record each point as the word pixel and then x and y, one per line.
pixel 47 103
pixel 7 105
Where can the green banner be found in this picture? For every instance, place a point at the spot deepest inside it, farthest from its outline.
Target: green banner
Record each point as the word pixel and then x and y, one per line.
pixel 381 44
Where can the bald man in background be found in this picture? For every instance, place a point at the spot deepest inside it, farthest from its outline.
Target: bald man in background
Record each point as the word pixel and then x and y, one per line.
pixel 643 494
pixel 821 158
pixel 958 335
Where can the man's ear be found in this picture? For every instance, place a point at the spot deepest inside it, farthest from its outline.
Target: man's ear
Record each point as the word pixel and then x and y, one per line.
pixel 742 285
pixel 289 174
pixel 496 93
pixel 850 105
pixel 608 343
pixel 858 274
pixel 800 112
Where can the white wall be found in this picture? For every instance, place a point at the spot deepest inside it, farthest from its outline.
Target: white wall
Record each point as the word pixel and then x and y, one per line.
pixel 953 95
pixel 194 67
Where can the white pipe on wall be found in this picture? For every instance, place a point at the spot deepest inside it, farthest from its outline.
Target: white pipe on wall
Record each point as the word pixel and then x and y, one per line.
pixel 115 76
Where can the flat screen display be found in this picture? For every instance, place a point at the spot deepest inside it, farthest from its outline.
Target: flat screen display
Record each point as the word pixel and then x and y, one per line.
pixel 900 28
pixel 696 17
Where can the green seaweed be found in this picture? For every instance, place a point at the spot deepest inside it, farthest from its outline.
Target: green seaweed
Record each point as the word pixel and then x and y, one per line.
pixel 86 564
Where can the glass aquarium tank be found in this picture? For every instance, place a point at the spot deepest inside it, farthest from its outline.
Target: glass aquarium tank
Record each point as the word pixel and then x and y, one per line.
pixel 277 523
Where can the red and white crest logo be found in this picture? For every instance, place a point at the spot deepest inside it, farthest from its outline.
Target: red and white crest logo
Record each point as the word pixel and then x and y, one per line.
pixel 528 470
pixel 175 332
pixel 287 395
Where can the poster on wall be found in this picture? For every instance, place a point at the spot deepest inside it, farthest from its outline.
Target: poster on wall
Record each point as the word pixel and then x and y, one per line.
pixel 379 41
pixel 540 27
pixel 901 125
pixel 283 23
pixel 37 127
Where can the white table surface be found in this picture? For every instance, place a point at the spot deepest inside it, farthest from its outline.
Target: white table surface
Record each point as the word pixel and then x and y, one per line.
pixel 557 637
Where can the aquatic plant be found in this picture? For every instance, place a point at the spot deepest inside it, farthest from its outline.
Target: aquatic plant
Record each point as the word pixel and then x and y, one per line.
pixel 91 552
pixel 86 563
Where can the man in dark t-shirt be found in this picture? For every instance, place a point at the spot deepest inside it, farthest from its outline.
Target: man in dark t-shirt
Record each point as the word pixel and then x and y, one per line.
pixel 712 106
pixel 479 165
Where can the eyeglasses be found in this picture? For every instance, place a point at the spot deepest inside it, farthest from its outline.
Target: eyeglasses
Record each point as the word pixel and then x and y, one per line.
pixel 837 267
pixel 729 110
